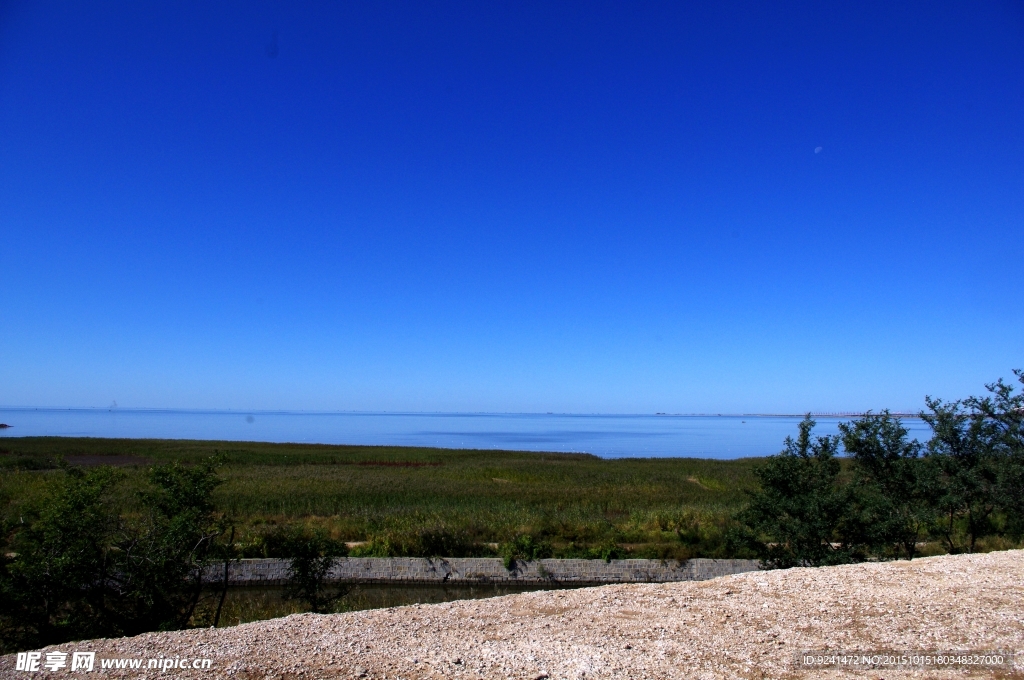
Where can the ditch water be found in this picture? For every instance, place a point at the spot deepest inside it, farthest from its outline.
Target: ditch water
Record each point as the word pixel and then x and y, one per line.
pixel 244 604
pixel 608 436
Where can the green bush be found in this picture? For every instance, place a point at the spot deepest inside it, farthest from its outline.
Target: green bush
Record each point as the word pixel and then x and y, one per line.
pixel 52 586
pixel 523 548
pixel 891 486
pixel 964 489
pixel 800 515
pixel 430 542
pixel 75 566
pixel 313 555
pixel 445 542
pixel 977 458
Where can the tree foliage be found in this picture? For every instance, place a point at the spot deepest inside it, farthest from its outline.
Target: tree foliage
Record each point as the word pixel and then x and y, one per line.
pixel 799 515
pixel 523 548
pixel 57 564
pixel 313 555
pixel 890 487
pixel 77 567
pixel 977 451
pixel 966 483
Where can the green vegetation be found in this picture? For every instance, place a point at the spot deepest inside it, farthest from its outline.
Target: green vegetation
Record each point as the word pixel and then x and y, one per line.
pixel 960 491
pixel 117 547
pixel 88 560
pixel 801 512
pixel 427 502
pixel 313 554
pixel 525 549
pixel 109 537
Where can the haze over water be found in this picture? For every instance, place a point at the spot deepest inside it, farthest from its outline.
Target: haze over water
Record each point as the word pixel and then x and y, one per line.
pixel 608 436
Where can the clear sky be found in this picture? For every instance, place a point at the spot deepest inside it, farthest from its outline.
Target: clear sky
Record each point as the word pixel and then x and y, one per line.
pixel 590 207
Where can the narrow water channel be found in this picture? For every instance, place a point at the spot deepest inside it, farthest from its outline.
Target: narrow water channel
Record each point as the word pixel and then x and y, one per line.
pixel 244 604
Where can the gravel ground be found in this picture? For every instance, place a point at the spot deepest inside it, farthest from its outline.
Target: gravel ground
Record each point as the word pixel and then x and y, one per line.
pixel 744 626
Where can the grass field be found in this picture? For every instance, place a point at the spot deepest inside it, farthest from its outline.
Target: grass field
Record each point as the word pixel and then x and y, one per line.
pixel 408 501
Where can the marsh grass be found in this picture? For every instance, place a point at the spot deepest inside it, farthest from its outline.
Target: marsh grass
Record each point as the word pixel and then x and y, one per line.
pixel 407 501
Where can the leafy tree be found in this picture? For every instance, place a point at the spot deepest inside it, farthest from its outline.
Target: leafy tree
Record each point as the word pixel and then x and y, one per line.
pixel 891 486
pixel 964 455
pixel 314 554
pixel 158 583
pixel 1004 411
pixel 53 582
pixel 977 449
pixel 77 567
pixel 800 515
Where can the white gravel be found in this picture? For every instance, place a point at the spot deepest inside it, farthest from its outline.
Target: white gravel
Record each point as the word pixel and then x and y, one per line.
pixel 744 626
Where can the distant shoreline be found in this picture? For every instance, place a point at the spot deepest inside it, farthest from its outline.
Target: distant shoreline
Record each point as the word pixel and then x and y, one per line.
pixel 606 436
pixel 813 414
pixel 840 414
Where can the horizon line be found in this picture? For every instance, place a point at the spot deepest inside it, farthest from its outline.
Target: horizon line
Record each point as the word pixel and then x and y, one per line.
pixel 813 414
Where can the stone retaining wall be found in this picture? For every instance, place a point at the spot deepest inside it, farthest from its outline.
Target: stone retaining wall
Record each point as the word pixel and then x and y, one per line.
pixel 488 570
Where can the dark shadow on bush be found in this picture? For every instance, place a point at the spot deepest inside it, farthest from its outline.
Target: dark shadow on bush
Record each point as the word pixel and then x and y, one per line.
pixel 523 548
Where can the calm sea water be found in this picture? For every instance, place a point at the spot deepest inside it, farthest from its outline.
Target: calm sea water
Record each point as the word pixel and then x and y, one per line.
pixel 608 436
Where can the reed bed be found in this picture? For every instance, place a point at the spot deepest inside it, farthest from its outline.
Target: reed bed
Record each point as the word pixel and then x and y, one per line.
pixel 385 500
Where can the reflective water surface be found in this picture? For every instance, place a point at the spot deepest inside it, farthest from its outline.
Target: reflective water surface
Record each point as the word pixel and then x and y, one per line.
pixel 254 603
pixel 609 436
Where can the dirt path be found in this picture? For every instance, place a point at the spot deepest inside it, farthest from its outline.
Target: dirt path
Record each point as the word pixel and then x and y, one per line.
pixel 744 626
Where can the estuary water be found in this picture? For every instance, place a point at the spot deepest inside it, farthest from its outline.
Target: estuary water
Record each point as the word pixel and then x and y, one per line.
pixel 608 436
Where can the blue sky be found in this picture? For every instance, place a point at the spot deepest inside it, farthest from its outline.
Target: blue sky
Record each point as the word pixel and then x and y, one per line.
pixel 588 207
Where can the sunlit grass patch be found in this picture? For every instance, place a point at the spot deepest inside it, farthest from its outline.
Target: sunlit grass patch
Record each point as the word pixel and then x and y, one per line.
pixel 400 500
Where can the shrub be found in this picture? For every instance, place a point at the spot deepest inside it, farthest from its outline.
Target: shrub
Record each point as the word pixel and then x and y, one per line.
pixel 163 554
pixel 76 567
pixel 892 485
pixel 445 542
pixel 799 516
pixel 53 583
pixel 313 555
pixel 967 489
pixel 431 542
pixel 523 548
pixel 977 454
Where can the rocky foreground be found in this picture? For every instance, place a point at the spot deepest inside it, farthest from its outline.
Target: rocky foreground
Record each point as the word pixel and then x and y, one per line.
pixel 752 625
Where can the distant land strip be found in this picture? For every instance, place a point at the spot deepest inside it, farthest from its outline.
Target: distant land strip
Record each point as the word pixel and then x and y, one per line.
pixel 813 414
